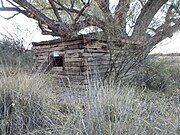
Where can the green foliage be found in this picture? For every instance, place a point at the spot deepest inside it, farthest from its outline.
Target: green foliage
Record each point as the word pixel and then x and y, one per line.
pixel 158 75
pixel 44 7
pixel 12 56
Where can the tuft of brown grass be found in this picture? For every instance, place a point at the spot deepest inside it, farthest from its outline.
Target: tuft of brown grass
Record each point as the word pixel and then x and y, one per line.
pixel 117 110
pixel 26 102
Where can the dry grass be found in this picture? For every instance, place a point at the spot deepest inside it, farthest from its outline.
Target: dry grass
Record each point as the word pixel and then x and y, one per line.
pixel 29 106
pixel 116 110
pixel 26 102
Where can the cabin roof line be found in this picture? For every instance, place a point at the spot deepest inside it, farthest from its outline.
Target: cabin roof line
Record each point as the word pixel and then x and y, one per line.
pixel 85 39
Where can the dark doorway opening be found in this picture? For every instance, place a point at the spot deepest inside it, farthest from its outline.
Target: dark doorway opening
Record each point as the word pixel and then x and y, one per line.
pixel 58 61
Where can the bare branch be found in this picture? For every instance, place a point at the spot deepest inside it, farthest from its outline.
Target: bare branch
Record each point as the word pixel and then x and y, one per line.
pixel 84 3
pixel 65 9
pixel 104 6
pixel 161 35
pixel 44 30
pixel 89 21
pixel 82 10
pixel 72 10
pixel 60 29
pixel 72 4
pixel 55 10
pixel 2 3
pixel 141 2
pixel 176 9
pixel 10 9
pixel 167 22
pixel 11 16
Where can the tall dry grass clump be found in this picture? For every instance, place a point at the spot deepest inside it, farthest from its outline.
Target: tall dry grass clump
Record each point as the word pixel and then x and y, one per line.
pixel 26 102
pixel 122 110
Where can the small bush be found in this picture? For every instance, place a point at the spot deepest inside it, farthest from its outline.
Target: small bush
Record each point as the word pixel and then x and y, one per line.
pixel 12 56
pixel 26 103
pixel 157 75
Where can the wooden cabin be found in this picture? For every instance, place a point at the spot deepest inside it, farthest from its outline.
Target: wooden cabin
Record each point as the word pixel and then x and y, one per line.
pixel 75 60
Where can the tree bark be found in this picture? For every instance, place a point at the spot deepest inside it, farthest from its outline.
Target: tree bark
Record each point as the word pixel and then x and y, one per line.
pixel 147 14
pixel 121 15
pixel 61 30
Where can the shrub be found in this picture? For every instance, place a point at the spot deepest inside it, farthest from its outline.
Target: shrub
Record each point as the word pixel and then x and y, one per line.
pixel 12 56
pixel 26 103
pixel 157 75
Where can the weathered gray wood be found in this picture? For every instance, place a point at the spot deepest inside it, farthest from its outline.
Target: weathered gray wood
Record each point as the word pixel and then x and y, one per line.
pixel 82 59
pixel 74 51
pixel 96 51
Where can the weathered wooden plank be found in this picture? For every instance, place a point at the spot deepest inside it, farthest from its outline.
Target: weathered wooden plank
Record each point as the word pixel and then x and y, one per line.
pixel 60 48
pixel 41 60
pixel 100 63
pixel 94 55
pixel 97 46
pixel 80 46
pixel 68 69
pixel 97 59
pixel 74 51
pixel 73 64
pixel 72 55
pixel 73 59
pixel 96 51
pixel 47 46
pixel 49 50
pixel 60 42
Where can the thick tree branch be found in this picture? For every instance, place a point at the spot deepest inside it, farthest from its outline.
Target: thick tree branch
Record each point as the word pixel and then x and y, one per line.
pixel 88 22
pixel 32 12
pixel 167 22
pixel 146 16
pixel 121 15
pixel 161 35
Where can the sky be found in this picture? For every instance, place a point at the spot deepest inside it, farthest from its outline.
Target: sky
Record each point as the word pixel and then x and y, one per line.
pixel 31 33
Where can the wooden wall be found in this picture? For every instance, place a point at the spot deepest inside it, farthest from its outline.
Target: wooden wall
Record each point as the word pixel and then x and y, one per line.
pixel 83 59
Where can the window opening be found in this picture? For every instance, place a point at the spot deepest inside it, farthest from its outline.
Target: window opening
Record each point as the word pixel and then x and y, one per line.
pixel 57 59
